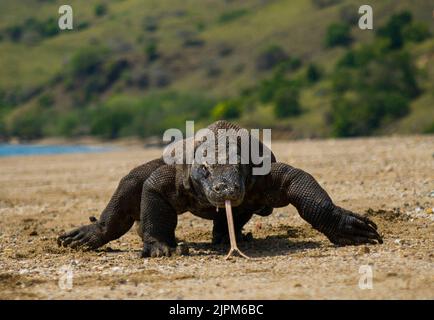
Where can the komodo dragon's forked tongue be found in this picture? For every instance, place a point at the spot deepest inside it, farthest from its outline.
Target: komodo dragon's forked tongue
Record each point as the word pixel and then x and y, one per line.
pixel 232 238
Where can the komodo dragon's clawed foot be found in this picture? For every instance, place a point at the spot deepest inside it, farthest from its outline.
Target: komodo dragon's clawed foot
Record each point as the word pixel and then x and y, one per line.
pixel 88 237
pixel 355 229
pixel 155 249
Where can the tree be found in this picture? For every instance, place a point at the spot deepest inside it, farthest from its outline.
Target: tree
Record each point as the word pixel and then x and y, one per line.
pixel 416 32
pixel 100 9
pixel 338 34
pixel 393 29
pixel 151 51
pixel 372 92
pixel 286 102
pixel 229 109
pixel 87 60
pixel 270 57
pixel 313 73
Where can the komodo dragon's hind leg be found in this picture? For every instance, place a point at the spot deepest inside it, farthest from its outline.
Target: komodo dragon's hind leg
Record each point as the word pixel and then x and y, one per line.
pixel 119 215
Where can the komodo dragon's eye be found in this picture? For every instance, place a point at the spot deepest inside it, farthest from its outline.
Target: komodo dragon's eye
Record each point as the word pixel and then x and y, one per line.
pixel 204 170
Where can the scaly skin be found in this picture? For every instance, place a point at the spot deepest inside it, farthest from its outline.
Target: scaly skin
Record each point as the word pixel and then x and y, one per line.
pixel 155 194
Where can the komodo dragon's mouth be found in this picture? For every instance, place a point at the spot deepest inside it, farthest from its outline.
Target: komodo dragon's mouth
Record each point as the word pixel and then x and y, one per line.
pixel 231 228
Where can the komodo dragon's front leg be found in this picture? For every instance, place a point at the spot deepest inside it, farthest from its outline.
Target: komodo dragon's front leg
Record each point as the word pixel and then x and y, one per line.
pixel 286 184
pixel 159 207
pixel 119 215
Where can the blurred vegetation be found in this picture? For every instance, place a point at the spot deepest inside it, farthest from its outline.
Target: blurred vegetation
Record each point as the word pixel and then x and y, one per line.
pixel 229 110
pixel 375 83
pixel 338 34
pixel 119 116
pixel 228 16
pixel 138 68
pixel 100 9
pixel 31 30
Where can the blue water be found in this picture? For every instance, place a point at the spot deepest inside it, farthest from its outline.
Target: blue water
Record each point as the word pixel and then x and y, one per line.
pixel 7 150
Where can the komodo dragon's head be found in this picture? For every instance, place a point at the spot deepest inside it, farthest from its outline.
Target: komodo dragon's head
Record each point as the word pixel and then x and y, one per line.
pixel 220 182
pixel 229 175
pixel 217 168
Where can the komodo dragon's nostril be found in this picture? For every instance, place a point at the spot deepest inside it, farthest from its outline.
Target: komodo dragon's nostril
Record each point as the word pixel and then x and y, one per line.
pixel 218 187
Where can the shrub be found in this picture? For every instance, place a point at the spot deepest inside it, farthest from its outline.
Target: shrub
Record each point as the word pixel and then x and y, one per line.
pixel 109 120
pixel 338 34
pixel 229 109
pixel 100 9
pixel 33 30
pixel 160 77
pixel 224 49
pixel 289 64
pixel 87 60
pixel 28 123
pixel 49 28
pixel 213 69
pixel 362 115
pixel 150 24
pixel 69 125
pixel 229 16
pixel 193 42
pixel 286 102
pixel 150 115
pixel 4 110
pixel 394 72
pixel 349 14
pixel 268 88
pixel 416 32
pixel 372 88
pixel 357 58
pixel 429 128
pixel 14 33
pixel 392 105
pixel 114 69
pixel 83 25
pixel 151 51
pixel 200 26
pixel 313 74
pixel 325 3
pixel 393 29
pixel 138 77
pixel 91 72
pixel 46 101
pixel 270 57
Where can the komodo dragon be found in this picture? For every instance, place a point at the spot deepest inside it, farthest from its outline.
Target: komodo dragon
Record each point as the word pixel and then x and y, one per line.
pixel 155 193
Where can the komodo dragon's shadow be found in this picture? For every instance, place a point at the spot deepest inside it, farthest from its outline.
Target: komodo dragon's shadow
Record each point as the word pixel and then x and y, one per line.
pixel 272 245
pixel 275 245
pixel 268 247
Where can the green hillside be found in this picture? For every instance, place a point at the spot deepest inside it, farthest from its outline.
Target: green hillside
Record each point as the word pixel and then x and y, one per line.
pixel 134 67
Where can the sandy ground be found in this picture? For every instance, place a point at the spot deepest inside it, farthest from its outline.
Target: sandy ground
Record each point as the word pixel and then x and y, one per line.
pixel 390 179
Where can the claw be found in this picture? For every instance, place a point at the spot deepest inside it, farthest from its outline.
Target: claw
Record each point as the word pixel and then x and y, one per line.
pixel 233 241
pixel 356 230
pixel 155 250
pixel 86 237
